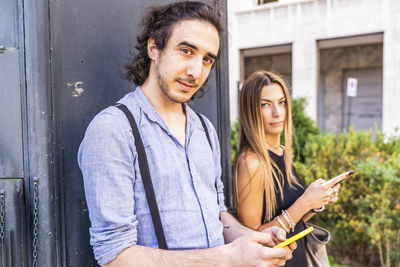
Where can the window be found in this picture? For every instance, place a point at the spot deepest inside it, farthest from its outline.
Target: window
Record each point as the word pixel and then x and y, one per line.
pixel 260 2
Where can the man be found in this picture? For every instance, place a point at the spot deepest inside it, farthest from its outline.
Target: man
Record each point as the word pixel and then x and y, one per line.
pixel 177 49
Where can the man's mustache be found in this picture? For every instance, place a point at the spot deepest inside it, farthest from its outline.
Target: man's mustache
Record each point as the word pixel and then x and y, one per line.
pixel 188 81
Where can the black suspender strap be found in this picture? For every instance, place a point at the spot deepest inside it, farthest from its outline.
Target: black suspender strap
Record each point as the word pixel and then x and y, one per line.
pixel 205 128
pixel 146 177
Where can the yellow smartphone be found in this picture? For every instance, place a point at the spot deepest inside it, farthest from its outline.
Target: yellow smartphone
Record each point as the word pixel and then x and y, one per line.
pixel 295 237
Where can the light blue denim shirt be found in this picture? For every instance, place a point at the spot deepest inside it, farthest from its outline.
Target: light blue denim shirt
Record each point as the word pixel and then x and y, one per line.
pixel 183 179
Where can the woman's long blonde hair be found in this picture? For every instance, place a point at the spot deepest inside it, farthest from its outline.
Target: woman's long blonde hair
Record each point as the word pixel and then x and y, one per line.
pixel 252 137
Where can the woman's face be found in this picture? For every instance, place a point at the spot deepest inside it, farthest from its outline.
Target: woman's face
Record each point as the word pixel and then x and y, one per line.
pixel 273 109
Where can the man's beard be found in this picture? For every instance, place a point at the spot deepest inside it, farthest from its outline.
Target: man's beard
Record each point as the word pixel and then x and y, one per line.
pixel 164 88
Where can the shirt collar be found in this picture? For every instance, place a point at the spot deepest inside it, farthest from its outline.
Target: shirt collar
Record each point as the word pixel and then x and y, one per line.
pixel 192 118
pixel 152 114
pixel 146 106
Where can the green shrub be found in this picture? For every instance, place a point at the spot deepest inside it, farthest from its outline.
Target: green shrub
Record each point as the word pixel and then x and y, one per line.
pixel 303 128
pixel 234 142
pixel 365 222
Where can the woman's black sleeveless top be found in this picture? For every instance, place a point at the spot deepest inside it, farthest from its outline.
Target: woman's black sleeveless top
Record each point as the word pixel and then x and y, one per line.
pixel 291 194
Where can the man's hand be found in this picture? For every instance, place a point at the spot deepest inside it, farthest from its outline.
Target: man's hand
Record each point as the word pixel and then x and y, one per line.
pixel 255 250
pixel 278 235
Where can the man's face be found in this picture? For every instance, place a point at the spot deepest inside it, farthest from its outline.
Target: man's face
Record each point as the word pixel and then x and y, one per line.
pixel 184 64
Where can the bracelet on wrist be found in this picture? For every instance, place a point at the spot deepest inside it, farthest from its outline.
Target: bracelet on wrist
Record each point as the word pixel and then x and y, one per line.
pixel 282 224
pixel 319 210
pixel 288 220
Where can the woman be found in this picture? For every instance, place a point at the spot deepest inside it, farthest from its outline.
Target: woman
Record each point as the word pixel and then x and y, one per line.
pixel 267 188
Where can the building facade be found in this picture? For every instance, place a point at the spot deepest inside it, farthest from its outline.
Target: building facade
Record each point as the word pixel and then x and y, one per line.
pixel 343 56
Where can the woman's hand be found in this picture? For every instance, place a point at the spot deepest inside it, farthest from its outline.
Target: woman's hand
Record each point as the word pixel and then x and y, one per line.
pixel 335 195
pixel 319 193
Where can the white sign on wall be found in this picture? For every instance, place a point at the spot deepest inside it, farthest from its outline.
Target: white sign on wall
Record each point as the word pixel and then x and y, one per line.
pixel 352 87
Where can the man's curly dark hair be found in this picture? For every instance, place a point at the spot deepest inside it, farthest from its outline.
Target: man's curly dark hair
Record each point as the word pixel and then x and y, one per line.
pixel 158 24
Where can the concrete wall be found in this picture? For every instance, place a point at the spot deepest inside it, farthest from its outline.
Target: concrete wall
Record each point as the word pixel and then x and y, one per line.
pixel 302 23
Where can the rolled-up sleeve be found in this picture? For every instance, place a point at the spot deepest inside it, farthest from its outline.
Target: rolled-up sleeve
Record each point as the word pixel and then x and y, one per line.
pixel 107 163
